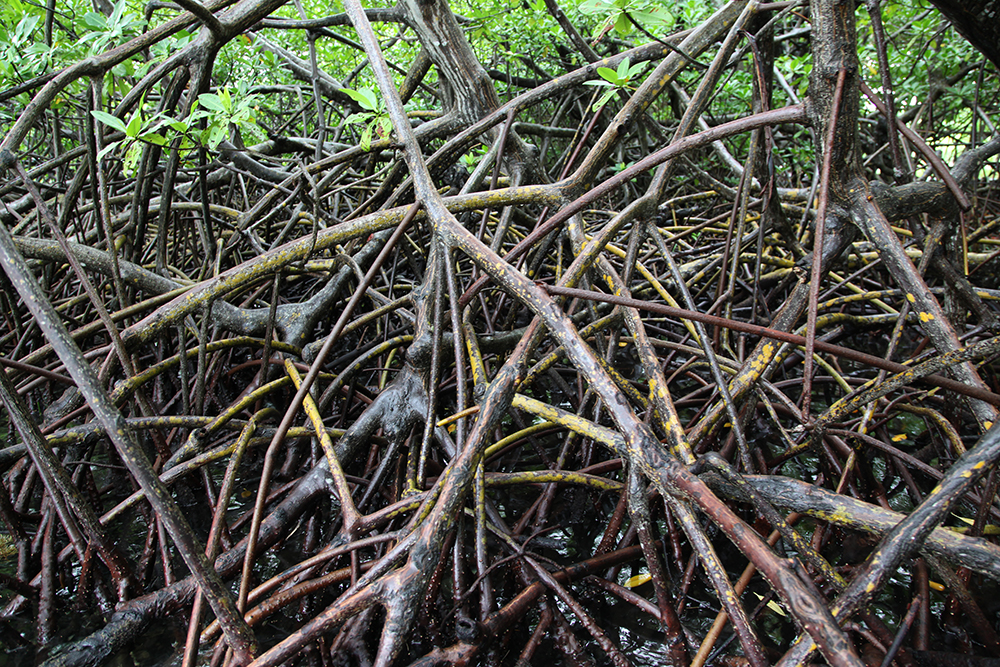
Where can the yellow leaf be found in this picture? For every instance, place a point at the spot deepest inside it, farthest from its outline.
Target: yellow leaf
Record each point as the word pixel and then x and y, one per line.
pixel 772 605
pixel 638 580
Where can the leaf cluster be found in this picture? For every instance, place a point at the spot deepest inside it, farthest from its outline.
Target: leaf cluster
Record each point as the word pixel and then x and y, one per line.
pixel 213 116
pixel 623 15
pixel 374 117
pixel 614 80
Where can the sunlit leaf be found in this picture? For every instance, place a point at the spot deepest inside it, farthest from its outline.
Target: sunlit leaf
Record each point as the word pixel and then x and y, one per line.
pixel 638 580
pixel 226 100
pixel 595 7
pixel 608 74
pixel 772 605
pixel 366 97
pixel 26 26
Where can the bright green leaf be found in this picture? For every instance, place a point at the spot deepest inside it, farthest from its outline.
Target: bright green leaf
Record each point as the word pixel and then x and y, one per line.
pixel 108 119
pixel 608 75
pixel 772 605
pixel 153 138
pixel 26 26
pixel 95 20
pixel 366 97
pixel 623 70
pixel 226 100
pixel 116 14
pixel 134 125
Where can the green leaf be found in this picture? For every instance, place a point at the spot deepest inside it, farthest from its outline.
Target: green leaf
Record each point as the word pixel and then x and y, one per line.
pixel 603 99
pixel 622 25
pixel 360 117
pixel 134 125
pixel 108 119
pixel 116 14
pixel 15 7
pixel 366 139
pixel 216 134
pixel 211 101
pixel 365 97
pixel 385 126
pixel 132 158
pixel 226 99
pixel 623 70
pixel 590 7
pixel 107 149
pixel 95 20
pixel 153 138
pixel 196 115
pixel 608 75
pixel 654 18
pixel 25 27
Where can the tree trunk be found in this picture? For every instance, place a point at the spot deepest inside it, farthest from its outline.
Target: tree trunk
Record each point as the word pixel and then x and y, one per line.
pixel 978 21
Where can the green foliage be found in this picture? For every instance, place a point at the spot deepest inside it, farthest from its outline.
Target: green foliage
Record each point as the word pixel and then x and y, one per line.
pixel 222 113
pixel 620 14
pixel 111 30
pixel 614 80
pixel 23 51
pixel 26 52
pixel 137 131
pixel 213 116
pixel 19 47
pixel 374 117
pixel 472 159
pixel 516 37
